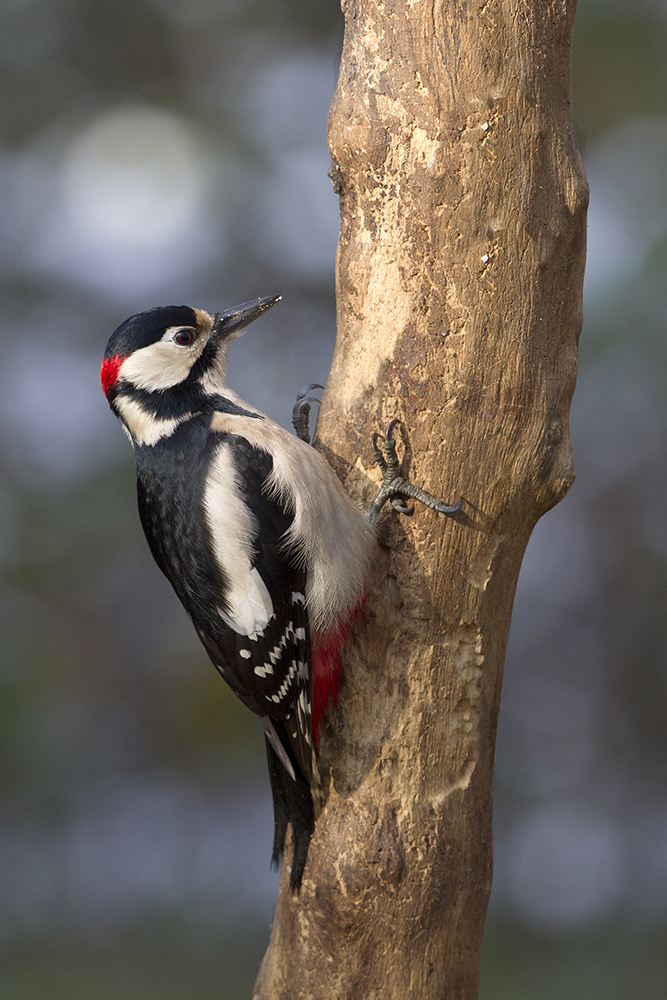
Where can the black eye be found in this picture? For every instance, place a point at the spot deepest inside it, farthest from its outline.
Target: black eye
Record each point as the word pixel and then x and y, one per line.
pixel 185 337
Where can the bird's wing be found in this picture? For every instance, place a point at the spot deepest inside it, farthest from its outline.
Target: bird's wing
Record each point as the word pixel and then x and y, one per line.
pixel 260 640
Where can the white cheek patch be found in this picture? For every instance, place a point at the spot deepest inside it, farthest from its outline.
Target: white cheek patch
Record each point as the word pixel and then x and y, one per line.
pixel 160 366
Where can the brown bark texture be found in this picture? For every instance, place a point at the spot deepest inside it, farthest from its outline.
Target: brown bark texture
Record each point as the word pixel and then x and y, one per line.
pixel 459 277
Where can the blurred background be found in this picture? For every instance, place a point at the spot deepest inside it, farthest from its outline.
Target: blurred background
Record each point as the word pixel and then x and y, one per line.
pixel 175 151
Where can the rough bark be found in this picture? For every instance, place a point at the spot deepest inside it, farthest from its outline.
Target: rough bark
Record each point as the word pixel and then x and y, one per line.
pixel 459 278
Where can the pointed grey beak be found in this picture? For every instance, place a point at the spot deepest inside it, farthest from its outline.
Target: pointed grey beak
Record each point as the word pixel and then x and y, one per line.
pixel 233 320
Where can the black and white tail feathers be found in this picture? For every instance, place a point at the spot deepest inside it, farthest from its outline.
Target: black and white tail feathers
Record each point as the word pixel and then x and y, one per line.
pixel 293 805
pixel 290 748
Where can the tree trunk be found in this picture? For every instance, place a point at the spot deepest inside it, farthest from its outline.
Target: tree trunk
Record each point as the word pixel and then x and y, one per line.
pixel 459 278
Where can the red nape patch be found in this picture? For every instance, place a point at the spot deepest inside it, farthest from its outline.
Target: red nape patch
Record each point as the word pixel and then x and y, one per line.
pixel 109 371
pixel 327 647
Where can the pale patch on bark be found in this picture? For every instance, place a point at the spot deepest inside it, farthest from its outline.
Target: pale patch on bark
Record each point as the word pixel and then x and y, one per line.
pixel 481 564
pixel 459 784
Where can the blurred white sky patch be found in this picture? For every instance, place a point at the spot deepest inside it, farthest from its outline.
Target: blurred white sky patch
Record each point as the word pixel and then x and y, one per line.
pixel 628 209
pixel 131 206
pixel 134 174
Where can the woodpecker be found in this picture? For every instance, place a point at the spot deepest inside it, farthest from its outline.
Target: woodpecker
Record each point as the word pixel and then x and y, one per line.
pixel 251 526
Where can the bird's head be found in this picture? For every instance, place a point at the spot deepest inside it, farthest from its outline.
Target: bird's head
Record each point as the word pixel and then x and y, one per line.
pixel 159 364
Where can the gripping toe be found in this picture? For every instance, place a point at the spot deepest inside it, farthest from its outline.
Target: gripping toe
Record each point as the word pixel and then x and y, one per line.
pixel 394 488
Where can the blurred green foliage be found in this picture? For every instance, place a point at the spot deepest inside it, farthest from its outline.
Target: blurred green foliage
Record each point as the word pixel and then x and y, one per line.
pixel 619 65
pixel 614 963
pixel 149 965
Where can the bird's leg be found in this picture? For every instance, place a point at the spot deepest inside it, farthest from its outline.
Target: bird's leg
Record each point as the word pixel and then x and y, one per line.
pixel 301 410
pixel 394 488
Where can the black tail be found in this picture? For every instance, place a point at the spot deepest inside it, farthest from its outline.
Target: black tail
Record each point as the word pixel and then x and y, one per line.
pixel 293 804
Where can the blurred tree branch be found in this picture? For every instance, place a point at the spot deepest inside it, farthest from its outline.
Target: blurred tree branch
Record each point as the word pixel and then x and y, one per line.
pixel 459 277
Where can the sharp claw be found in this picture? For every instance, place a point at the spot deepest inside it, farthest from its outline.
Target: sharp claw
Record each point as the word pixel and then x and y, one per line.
pixel 390 430
pixel 304 392
pixel 390 444
pixel 402 508
pixel 449 508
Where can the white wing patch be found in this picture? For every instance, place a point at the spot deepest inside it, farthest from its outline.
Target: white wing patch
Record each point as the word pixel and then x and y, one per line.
pixel 233 528
pixel 250 604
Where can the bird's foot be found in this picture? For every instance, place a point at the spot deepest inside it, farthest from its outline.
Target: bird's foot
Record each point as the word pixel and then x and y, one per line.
pixel 394 488
pixel 301 410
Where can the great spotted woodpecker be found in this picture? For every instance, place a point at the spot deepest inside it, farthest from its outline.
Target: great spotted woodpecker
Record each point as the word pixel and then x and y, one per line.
pixel 267 553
